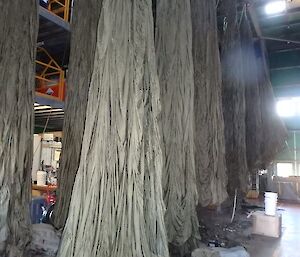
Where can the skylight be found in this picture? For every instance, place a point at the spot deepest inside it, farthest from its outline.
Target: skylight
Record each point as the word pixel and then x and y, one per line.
pixel 275 7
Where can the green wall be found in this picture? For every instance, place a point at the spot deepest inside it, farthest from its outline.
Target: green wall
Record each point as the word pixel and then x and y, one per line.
pixel 285 72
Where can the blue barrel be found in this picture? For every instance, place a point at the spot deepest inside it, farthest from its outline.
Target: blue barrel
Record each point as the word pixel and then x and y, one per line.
pixel 36 210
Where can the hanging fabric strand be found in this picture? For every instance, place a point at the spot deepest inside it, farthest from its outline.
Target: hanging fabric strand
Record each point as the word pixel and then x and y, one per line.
pixel 117 206
pixel 253 105
pixel 274 132
pixel 175 68
pixel 265 132
pixel 234 105
pixel 84 37
pixel 18 35
pixel 209 123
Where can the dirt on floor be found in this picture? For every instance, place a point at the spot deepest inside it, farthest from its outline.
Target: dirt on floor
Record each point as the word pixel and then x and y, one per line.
pixel 218 228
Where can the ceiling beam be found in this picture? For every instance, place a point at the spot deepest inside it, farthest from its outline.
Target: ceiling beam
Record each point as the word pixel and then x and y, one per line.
pixel 44 99
pixel 283 29
pixel 45 116
pixel 286 67
pixel 48 111
pixel 54 18
pixel 281 39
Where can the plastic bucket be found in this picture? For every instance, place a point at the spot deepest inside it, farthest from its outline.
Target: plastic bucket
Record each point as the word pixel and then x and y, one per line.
pixel 271 203
pixel 41 178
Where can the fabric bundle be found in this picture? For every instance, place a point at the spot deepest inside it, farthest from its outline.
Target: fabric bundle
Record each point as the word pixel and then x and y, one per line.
pixel 265 132
pixel 234 105
pixel 252 96
pixel 274 132
pixel 209 123
pixel 83 45
pixel 175 69
pixel 253 131
pixel 117 207
pixel 18 34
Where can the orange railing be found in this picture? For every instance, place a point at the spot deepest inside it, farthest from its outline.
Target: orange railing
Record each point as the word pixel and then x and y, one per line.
pixel 50 77
pixel 60 7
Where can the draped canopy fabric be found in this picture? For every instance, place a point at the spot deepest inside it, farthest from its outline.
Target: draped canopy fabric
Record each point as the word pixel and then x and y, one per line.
pixel 175 70
pixel 233 97
pixel 18 35
pixel 84 32
pixel 117 208
pixel 209 123
pixel 252 74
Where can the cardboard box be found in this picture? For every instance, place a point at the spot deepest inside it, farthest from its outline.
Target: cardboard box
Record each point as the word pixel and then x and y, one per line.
pixel 48 137
pixel 252 194
pixel 266 225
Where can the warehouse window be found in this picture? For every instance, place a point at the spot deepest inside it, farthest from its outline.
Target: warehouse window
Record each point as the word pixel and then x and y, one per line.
pixel 285 169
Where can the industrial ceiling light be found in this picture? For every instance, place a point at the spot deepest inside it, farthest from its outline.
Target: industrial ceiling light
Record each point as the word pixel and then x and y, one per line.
pixel 42 107
pixel 286 108
pixel 275 7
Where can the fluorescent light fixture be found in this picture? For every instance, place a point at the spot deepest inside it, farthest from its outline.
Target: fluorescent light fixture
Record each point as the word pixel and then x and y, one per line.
pixel 36 104
pixel 42 107
pixel 275 7
pixel 286 108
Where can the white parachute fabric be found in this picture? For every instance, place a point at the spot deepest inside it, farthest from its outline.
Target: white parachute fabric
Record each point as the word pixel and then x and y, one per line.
pixel 175 69
pixel 117 206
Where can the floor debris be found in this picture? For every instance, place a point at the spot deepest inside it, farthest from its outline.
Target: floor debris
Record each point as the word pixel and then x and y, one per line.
pixel 45 240
pixel 221 252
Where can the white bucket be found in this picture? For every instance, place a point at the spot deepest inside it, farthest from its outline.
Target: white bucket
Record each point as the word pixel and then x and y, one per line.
pixel 41 178
pixel 270 203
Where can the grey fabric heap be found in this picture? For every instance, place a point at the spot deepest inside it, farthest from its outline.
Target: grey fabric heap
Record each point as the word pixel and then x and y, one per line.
pixel 175 68
pixel 83 46
pixel 274 132
pixel 252 95
pixel 18 35
pixel 117 207
pixel 209 123
pixel 234 105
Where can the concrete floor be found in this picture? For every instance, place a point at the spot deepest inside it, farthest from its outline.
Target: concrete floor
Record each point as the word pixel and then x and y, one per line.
pixel 289 243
